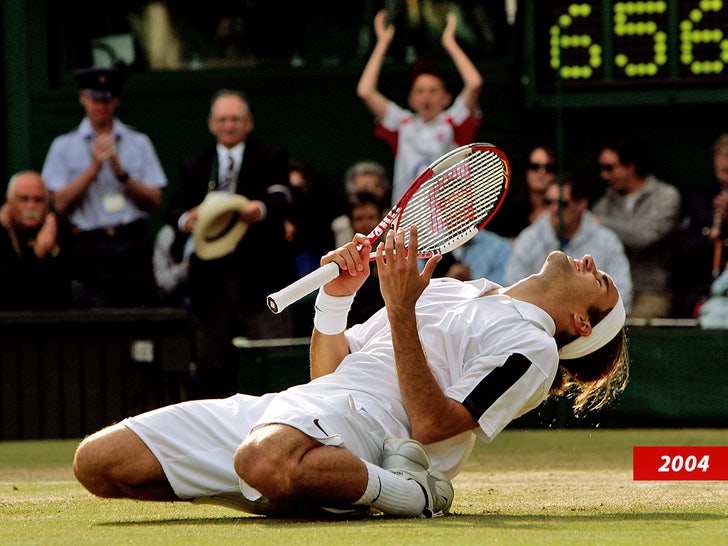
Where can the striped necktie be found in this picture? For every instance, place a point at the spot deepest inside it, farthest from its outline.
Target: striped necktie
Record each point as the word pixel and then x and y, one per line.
pixel 227 182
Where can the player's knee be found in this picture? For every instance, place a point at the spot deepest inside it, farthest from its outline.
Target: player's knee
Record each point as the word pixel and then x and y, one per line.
pixel 88 469
pixel 258 467
pixel 264 465
pixel 93 462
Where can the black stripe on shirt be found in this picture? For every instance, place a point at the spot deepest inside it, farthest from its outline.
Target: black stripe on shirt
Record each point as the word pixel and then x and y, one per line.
pixel 495 384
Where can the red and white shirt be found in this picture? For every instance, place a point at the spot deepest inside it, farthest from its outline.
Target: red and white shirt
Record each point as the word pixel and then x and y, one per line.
pixel 416 144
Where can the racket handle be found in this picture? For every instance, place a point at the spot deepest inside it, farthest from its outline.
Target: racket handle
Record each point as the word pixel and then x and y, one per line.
pixel 278 301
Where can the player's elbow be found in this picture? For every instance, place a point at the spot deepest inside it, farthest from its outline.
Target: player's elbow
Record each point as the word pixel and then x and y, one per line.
pixel 429 432
pixel 448 421
pixel 424 437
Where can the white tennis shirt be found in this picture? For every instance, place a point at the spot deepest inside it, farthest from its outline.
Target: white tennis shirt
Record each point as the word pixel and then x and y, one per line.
pixel 494 354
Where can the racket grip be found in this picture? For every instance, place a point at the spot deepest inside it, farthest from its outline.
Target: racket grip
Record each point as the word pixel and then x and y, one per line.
pixel 278 301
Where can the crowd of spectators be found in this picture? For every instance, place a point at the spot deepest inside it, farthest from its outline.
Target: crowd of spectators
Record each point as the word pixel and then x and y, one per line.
pixel 79 230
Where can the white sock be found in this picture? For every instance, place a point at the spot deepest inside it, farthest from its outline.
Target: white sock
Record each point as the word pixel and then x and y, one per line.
pixel 391 493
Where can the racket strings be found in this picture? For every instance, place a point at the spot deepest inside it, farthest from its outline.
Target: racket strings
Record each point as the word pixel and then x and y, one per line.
pixel 453 204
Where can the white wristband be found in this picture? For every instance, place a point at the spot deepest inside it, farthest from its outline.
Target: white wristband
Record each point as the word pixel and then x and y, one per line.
pixel 331 312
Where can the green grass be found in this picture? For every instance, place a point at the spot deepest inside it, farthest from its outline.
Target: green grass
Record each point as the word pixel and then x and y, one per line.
pixel 540 487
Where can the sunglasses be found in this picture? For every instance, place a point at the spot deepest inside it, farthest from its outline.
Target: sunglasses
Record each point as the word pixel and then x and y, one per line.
pixel 548 167
pixel 563 203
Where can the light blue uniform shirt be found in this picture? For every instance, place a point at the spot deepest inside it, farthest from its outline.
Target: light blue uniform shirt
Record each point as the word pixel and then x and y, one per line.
pixel 105 204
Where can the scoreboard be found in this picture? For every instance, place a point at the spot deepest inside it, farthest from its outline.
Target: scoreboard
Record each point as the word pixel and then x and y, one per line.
pixel 636 51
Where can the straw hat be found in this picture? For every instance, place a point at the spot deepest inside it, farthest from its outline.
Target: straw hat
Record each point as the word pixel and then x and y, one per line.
pixel 219 227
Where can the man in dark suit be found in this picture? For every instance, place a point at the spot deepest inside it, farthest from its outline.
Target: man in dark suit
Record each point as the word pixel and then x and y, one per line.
pixel 227 295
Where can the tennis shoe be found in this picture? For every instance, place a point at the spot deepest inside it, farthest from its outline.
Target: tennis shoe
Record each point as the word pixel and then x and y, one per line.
pixel 409 459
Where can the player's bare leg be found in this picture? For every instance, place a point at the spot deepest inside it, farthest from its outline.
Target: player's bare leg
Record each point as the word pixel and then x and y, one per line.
pixel 115 463
pixel 283 463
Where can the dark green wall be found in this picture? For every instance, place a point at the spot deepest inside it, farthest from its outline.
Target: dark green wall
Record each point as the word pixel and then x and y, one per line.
pixel 316 115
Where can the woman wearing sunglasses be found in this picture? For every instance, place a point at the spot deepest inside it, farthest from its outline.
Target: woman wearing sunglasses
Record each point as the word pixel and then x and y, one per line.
pixel 525 203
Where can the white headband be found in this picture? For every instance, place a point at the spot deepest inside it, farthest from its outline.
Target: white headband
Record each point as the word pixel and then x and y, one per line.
pixel 601 334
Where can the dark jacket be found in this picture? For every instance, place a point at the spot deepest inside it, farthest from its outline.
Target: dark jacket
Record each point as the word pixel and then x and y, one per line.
pixel 263 260
pixel 28 283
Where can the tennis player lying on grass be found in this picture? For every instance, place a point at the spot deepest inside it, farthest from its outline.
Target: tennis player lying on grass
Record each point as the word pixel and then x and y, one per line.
pixel 443 363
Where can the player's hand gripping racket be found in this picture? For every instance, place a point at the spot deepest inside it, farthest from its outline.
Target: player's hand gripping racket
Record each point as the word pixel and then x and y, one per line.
pixel 449 203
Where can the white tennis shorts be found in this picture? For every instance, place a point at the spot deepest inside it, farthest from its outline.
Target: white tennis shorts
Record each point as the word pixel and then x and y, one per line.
pixel 195 441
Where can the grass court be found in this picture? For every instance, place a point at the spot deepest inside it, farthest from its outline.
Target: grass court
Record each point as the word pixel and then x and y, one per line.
pixel 530 487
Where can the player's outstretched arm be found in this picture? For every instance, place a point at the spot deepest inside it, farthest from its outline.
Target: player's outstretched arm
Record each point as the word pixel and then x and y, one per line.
pixel 472 80
pixel 367 89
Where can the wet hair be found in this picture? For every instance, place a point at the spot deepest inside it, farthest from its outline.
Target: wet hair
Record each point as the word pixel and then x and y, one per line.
pixel 594 380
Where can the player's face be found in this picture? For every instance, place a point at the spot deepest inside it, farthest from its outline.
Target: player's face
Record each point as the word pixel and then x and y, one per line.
pixel 581 281
pixel 428 96
pixel 230 121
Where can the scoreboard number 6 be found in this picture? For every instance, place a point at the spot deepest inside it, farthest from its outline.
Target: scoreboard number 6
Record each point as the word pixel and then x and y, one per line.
pixel 691 37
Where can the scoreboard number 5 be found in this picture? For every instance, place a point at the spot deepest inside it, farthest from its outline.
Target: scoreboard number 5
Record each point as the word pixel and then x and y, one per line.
pixel 624 27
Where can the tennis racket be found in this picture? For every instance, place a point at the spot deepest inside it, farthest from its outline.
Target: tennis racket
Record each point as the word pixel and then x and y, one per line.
pixel 449 203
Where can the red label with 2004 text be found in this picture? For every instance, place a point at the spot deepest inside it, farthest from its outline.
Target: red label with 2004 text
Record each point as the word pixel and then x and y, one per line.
pixel 680 463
